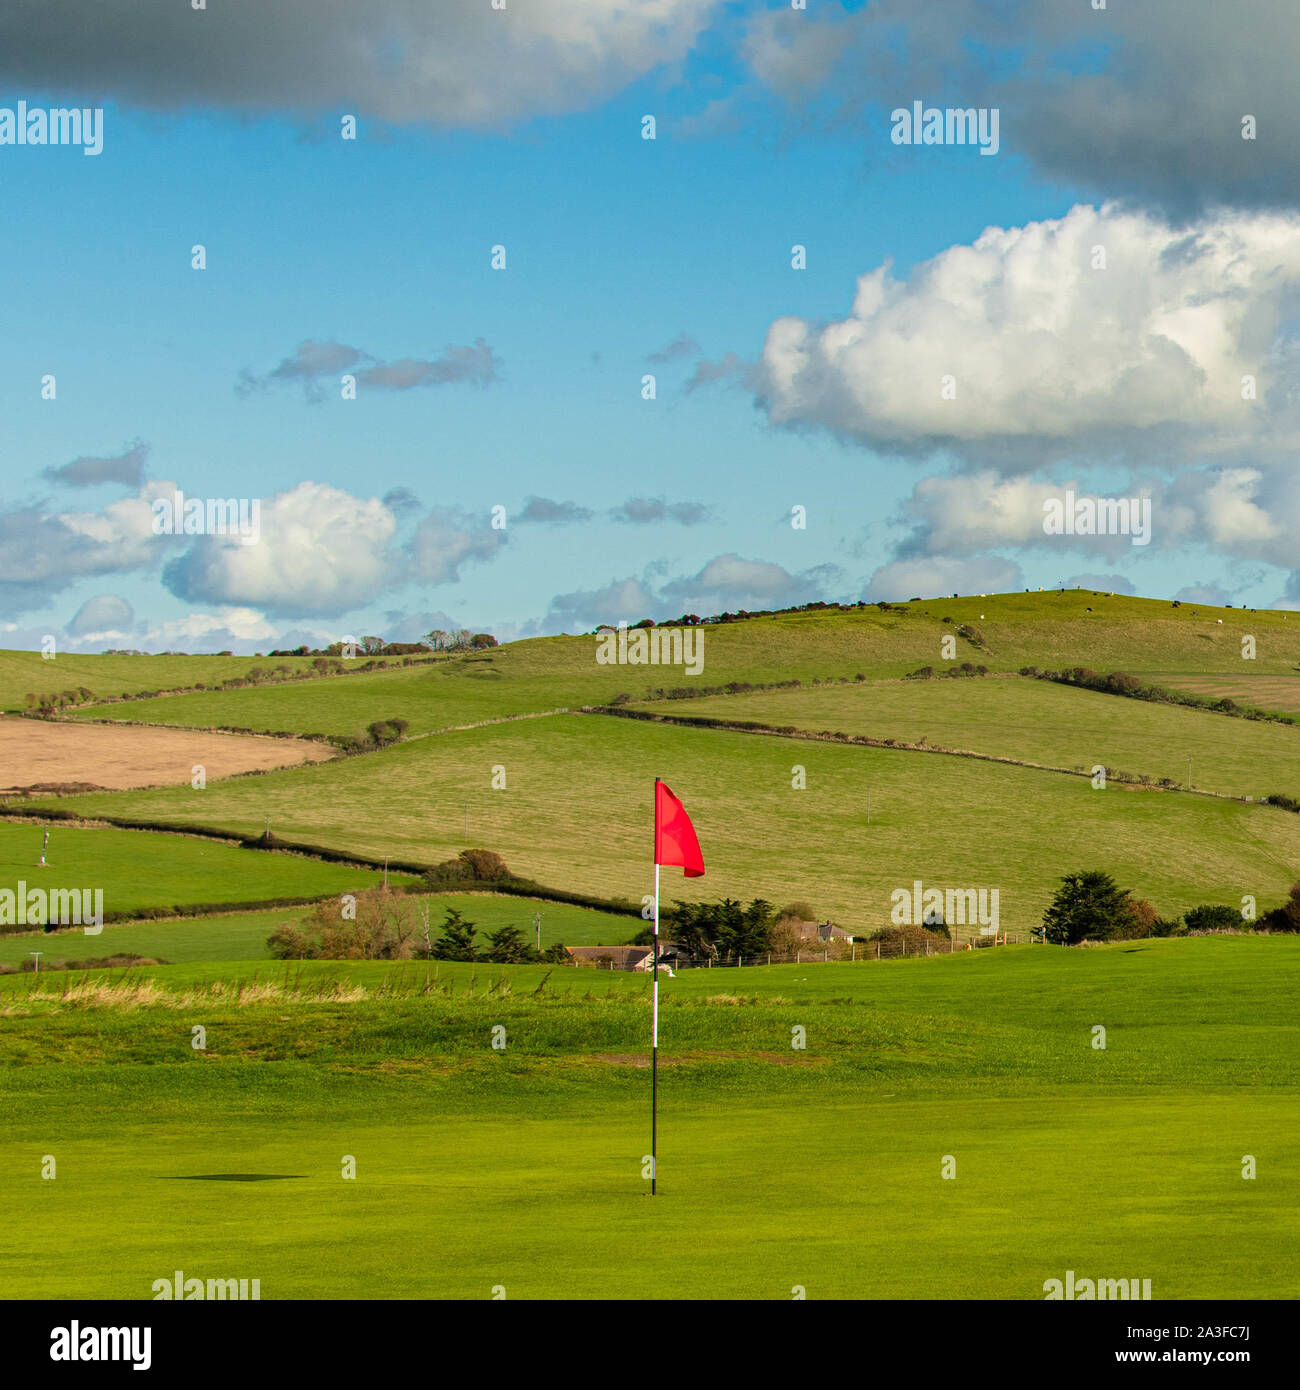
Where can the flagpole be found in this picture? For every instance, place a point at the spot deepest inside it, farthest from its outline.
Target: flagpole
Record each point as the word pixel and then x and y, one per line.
pixel 655 1018
pixel 654 1054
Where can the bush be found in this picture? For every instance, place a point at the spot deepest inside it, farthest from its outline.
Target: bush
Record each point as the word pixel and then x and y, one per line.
pixel 1286 917
pixel 1212 917
pixel 381 925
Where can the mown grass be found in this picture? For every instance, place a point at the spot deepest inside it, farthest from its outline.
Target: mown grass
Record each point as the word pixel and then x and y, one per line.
pixel 575 813
pixel 22 673
pixel 1274 693
pixel 1036 721
pixel 779 1167
pixel 1043 629
pixel 140 870
pixel 243 935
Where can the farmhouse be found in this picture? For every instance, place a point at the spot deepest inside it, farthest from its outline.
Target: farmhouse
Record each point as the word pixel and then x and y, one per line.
pixel 623 957
pixel 822 931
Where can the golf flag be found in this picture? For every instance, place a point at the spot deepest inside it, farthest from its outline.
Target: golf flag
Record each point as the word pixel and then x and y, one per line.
pixel 675 841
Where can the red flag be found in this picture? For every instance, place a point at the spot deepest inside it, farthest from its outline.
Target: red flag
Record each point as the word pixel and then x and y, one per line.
pixel 675 841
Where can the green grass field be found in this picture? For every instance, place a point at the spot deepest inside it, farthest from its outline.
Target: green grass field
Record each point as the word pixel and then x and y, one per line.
pixel 1281 693
pixel 239 936
pixel 139 869
pixel 1035 721
pixel 547 673
pixel 574 814
pixel 22 673
pixel 818 1168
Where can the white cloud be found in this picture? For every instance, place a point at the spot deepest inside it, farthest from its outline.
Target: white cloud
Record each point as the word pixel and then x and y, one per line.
pixel 1044 348
pixel 321 551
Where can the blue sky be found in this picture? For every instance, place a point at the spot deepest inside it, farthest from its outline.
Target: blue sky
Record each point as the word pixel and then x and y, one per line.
pixel 524 129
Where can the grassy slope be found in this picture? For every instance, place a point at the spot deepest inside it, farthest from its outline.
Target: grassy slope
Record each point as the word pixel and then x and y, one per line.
pixel 819 1168
pixel 242 935
pixel 1264 692
pixel 1035 721
pixel 1052 630
pixel 575 815
pixel 23 672
pixel 137 869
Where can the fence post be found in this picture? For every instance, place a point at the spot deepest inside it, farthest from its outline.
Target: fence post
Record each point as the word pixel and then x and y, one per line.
pixel 769 958
pixel 740 960
pixel 877 950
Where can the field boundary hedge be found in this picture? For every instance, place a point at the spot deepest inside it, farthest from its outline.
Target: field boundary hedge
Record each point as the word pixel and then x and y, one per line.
pixel 750 726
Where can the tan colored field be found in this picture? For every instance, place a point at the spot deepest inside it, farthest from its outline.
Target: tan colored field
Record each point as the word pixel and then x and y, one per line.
pixel 1265 692
pixel 38 753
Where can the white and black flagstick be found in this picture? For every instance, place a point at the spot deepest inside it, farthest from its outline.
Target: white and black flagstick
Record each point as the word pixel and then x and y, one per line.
pixel 654 1025
pixel 654 1054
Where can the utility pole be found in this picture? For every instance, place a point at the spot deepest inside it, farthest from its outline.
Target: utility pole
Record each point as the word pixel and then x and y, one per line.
pixel 467 822
pixel 537 922
pixel 36 969
pixel 1189 772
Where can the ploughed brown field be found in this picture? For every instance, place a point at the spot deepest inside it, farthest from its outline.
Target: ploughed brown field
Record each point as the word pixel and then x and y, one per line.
pixel 45 755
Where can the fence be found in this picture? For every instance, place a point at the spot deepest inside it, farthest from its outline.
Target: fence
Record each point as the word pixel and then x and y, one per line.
pixel 852 952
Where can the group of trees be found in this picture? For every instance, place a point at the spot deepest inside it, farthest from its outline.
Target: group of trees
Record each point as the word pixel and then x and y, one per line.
pixel 44 703
pixel 729 929
pixel 378 734
pixel 1091 906
pixel 382 924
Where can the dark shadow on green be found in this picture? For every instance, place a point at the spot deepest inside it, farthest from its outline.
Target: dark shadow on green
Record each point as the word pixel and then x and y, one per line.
pixel 228 1177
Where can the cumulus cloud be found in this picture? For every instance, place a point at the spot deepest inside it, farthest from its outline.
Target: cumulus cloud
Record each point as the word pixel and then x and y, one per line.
pixel 641 511
pixel 44 552
pixel 729 366
pixel 1109 583
pixel 547 512
pixel 732 581
pixel 89 470
pixel 446 540
pixel 725 583
pixel 402 502
pixel 1144 101
pixel 681 346
pixel 1215 595
pixel 1036 346
pixel 622 600
pixel 900 580
pixel 445 65
pixel 316 365
pixel 105 615
pixel 320 551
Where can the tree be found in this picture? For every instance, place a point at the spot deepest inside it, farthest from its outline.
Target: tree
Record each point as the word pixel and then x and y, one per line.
pixel 372 646
pixel 1088 905
pixel 1286 917
pixel 507 946
pixel 457 941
